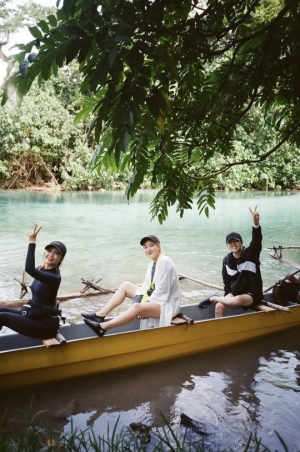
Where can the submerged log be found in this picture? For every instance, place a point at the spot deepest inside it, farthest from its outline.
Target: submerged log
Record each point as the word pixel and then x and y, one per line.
pixel 97 290
pixel 277 254
pixel 285 261
pixel 19 302
pixel 91 285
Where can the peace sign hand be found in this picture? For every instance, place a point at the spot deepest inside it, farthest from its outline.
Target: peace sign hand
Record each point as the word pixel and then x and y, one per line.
pixel 255 216
pixel 33 233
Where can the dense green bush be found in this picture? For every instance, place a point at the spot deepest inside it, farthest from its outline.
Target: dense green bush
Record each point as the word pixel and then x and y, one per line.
pixel 41 144
pixel 254 138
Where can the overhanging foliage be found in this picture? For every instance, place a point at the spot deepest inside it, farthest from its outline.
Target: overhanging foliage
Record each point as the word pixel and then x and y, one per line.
pixel 165 84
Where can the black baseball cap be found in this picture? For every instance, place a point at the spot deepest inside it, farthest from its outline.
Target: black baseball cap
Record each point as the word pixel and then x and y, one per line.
pixel 149 237
pixel 61 248
pixel 233 236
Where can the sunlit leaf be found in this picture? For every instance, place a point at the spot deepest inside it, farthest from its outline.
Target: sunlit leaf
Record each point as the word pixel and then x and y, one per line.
pixel 36 33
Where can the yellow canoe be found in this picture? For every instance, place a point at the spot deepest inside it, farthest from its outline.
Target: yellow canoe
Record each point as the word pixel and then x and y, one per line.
pixel 25 361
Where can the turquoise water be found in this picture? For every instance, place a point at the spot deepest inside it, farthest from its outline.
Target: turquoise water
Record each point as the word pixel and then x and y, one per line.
pixel 102 233
pixel 228 394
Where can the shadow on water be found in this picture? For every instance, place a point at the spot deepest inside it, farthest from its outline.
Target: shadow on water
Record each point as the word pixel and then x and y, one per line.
pixel 221 396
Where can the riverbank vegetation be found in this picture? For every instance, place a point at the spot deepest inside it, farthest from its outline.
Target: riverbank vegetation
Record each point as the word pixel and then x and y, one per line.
pixel 188 99
pixel 32 437
pixel 43 147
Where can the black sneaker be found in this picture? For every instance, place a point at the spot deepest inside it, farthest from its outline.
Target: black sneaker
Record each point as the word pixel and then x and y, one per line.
pixel 95 327
pixel 205 303
pixel 92 316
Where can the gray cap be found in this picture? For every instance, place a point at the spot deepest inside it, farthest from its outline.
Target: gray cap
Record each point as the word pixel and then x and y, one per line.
pixel 149 237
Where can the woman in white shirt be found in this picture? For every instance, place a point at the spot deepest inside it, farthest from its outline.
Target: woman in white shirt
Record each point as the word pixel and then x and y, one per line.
pixel 156 301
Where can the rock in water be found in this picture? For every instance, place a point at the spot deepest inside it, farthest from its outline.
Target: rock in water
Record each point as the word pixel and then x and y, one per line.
pixel 65 410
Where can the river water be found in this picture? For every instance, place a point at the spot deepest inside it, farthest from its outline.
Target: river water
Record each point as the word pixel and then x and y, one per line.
pixel 226 395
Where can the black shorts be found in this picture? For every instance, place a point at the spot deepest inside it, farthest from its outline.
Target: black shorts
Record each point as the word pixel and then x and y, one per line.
pixel 257 299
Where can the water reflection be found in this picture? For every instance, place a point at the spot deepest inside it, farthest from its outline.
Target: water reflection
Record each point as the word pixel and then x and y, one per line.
pixel 226 395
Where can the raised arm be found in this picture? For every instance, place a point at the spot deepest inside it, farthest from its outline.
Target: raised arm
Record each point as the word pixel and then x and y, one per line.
pixel 256 242
pixel 30 259
pixel 32 234
pixel 255 216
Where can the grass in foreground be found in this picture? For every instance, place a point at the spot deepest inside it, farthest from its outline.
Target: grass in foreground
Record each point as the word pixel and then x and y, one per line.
pixel 31 437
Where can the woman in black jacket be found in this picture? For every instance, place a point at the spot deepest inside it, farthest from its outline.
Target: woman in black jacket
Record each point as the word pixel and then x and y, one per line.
pixel 40 317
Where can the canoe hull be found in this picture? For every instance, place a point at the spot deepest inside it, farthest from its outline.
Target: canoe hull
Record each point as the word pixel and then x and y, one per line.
pixel 91 355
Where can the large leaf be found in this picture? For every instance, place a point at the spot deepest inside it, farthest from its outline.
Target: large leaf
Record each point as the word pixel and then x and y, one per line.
pixel 36 32
pixel 135 61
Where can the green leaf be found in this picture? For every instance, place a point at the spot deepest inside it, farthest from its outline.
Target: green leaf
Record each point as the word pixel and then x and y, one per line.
pixel 60 54
pixel 72 50
pixel 135 61
pixel 84 49
pixel 36 33
pixel 46 71
pixel 84 113
pixel 123 38
pixel 43 26
pixel 153 107
pixel 45 65
pixel 76 31
pixel 113 53
pixel 52 20
pixel 54 68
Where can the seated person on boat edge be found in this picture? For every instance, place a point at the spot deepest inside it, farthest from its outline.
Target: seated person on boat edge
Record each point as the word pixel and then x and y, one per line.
pixel 39 318
pixel 288 290
pixel 240 272
pixel 155 302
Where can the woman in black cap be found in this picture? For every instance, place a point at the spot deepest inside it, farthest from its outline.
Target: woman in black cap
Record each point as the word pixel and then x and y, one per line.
pixel 156 301
pixel 240 272
pixel 39 318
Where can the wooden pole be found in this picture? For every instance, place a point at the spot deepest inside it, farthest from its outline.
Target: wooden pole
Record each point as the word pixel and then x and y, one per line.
pixel 280 281
pixel 261 307
pixel 277 306
pixel 204 283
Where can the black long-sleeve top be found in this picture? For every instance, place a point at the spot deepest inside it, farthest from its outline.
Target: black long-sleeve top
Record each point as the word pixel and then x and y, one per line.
pixel 46 282
pixel 242 275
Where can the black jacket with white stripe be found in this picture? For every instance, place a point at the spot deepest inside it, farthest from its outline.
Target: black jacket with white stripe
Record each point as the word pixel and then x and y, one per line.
pixel 242 275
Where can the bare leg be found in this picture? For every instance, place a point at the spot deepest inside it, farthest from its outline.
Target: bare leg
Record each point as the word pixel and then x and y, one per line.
pixel 126 289
pixel 223 303
pixel 137 310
